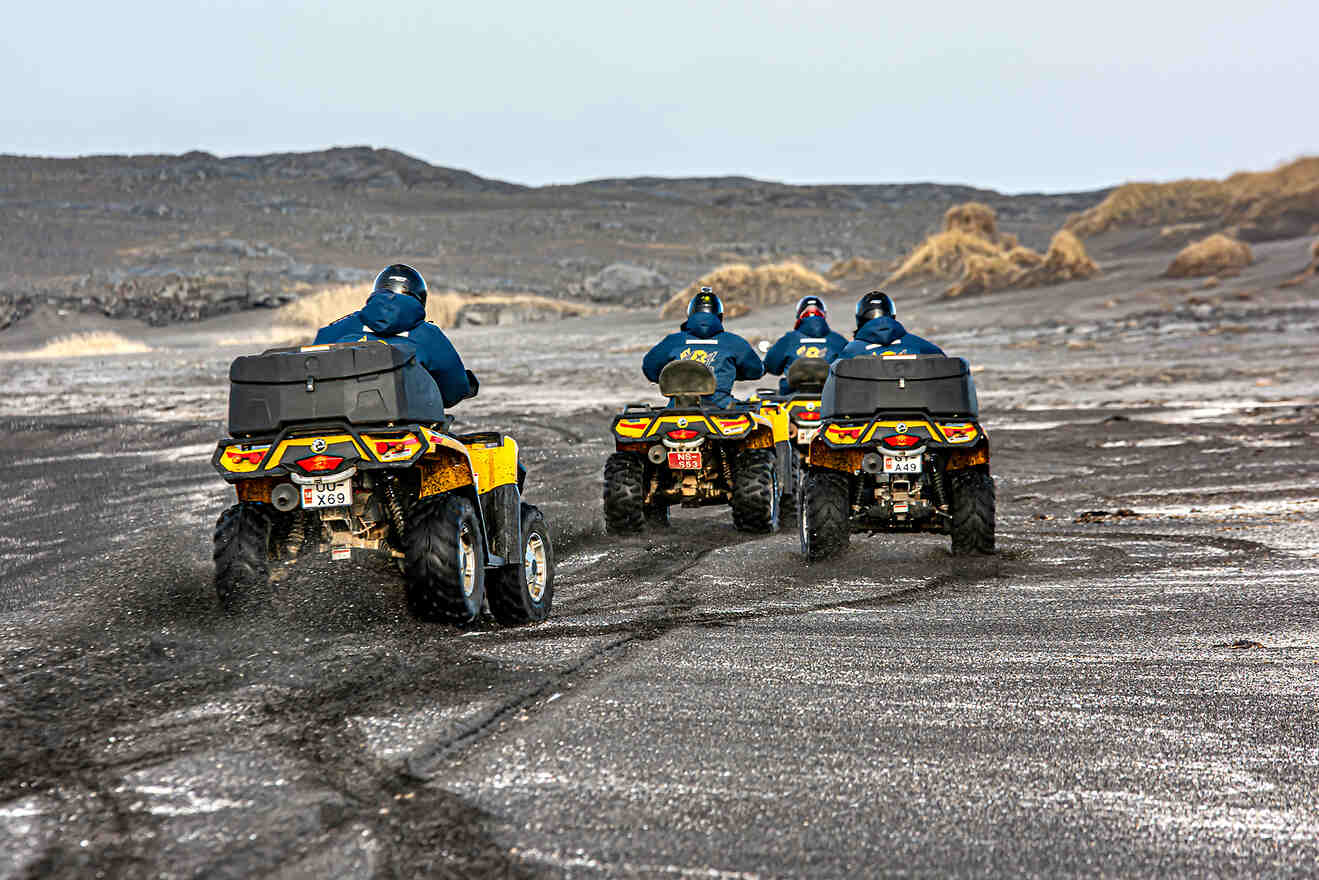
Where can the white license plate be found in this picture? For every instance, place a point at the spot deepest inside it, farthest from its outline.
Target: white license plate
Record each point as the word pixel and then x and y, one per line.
pixel 685 459
pixel 318 494
pixel 806 435
pixel 902 464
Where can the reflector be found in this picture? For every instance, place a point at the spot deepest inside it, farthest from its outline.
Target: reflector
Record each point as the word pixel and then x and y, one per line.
pixel 316 463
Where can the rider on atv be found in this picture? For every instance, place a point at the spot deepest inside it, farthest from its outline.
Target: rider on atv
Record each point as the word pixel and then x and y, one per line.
pixel 395 313
pixel 879 333
pixel 702 338
pixel 809 337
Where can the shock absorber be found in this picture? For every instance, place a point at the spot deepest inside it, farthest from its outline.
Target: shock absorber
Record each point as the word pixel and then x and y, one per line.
pixel 394 507
pixel 936 483
pixel 297 534
pixel 726 464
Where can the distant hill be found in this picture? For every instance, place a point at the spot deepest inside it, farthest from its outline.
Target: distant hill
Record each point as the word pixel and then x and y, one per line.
pixel 169 238
pixel 341 166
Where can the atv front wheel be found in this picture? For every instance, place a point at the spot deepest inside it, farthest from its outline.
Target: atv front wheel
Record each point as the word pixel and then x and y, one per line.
pixel 523 592
pixel 972 509
pixel 242 555
pixel 756 491
pixel 624 488
pixel 443 566
pixel 822 524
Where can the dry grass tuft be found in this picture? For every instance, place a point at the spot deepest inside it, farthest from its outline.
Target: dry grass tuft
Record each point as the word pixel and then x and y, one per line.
pixel 943 255
pixel 1215 255
pixel 100 342
pixel 1066 260
pixel 856 268
pixel 985 273
pixel 742 288
pixel 1265 204
pixel 980 258
pixel 1024 257
pixel 973 218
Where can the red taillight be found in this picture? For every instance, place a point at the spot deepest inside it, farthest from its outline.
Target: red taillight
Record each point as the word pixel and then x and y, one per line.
pixel 808 415
pixel 682 434
pixel 246 457
pixel 901 441
pixel 392 447
pixel 317 463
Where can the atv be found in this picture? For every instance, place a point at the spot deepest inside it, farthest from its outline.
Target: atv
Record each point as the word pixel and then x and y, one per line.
pixel 341 448
pixel 695 456
pixel 805 378
pixel 898 450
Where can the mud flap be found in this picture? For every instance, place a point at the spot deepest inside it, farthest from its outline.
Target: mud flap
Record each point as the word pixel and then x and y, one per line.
pixel 501 508
pixel 784 452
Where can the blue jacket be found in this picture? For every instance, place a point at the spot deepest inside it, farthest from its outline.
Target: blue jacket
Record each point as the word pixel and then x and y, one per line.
pixel 884 335
pixel 703 338
pixel 400 320
pixel 812 338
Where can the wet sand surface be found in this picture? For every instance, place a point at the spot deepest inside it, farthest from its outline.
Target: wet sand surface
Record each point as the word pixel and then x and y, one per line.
pixel 1110 694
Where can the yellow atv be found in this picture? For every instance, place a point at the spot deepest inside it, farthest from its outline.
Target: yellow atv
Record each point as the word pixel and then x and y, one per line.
pixel 330 451
pixel 899 450
pixel 695 456
pixel 805 378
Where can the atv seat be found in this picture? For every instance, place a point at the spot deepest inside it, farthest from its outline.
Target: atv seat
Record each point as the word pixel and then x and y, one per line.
pixel 686 382
pixel 808 374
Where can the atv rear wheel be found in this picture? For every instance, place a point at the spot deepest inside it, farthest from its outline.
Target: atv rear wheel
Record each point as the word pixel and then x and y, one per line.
pixel 242 555
pixel 971 504
pixel 756 491
pixel 443 564
pixel 524 591
pixel 822 525
pixel 625 486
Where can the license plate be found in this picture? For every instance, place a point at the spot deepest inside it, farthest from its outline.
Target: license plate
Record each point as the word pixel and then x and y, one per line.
pixel 902 464
pixel 318 494
pixel 685 459
pixel 806 435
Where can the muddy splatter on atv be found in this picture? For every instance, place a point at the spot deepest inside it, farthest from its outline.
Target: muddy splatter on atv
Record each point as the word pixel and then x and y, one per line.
pixel 694 456
pixel 330 452
pixel 898 450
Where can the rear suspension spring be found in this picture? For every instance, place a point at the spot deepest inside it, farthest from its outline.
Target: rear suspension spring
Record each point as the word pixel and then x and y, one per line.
pixel 394 507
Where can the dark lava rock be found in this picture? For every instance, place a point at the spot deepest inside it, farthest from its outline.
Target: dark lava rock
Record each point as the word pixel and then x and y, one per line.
pixel 13 308
pixel 626 284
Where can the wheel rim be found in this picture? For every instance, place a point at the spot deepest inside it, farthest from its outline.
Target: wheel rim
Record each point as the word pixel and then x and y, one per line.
pixel 467 561
pixel 535 565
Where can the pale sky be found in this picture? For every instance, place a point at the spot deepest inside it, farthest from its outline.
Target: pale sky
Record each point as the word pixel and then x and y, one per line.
pixel 1015 96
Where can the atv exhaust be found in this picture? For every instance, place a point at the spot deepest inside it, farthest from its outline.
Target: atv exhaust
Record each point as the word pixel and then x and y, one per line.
pixel 285 497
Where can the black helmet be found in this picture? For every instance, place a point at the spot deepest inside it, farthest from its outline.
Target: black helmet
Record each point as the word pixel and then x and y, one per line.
pixel 811 304
pixel 399 278
pixel 706 301
pixel 873 305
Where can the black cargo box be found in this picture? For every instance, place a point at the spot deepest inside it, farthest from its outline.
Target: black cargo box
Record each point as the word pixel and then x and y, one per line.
pixel 359 382
pixel 941 386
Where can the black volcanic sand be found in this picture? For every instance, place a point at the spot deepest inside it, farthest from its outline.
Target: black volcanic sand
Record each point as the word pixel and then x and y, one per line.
pixel 1113 693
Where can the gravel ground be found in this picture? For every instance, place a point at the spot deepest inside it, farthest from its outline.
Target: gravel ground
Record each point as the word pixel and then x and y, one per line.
pixel 1110 694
